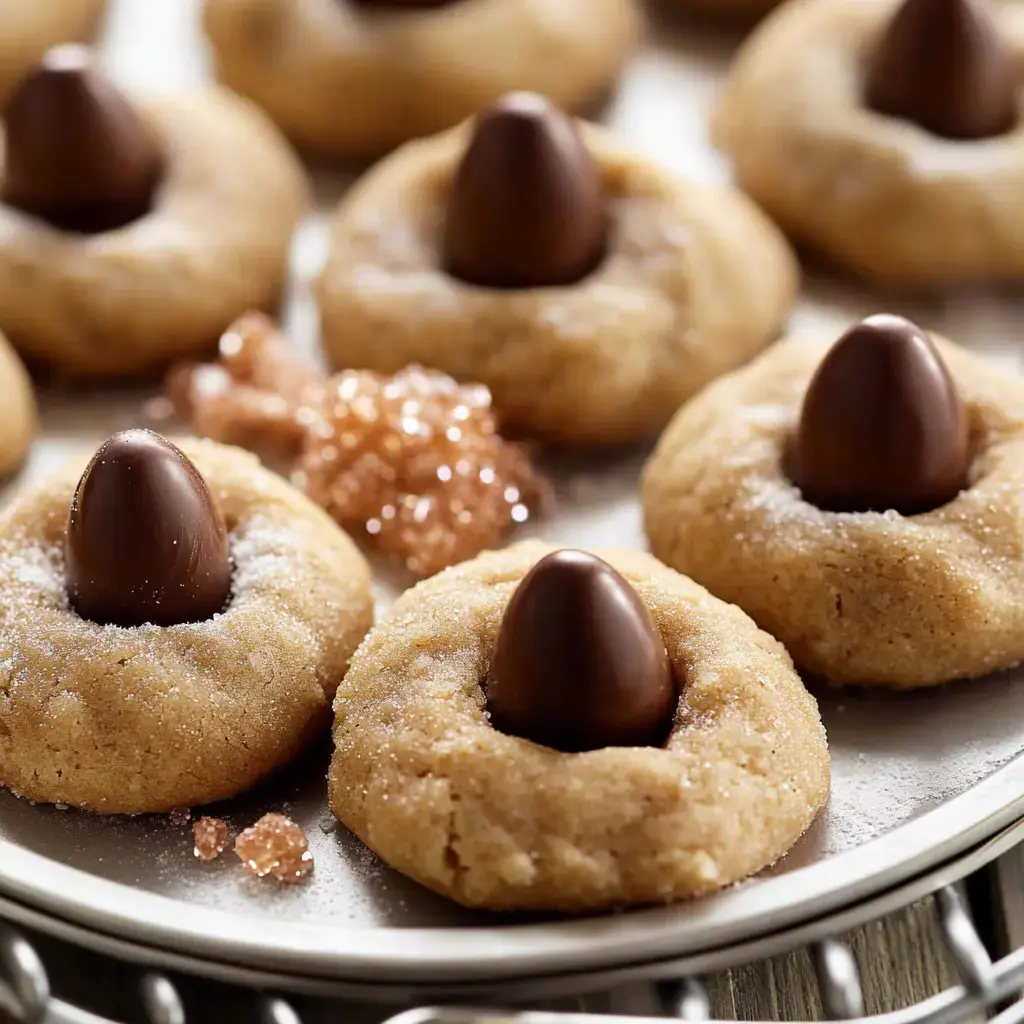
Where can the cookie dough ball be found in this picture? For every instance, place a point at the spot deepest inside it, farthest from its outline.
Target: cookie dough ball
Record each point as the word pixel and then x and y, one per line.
pixel 886 135
pixel 356 79
pixel 174 639
pixel 30 28
pixel 132 234
pixel 18 423
pixel 589 289
pixel 432 771
pixel 862 506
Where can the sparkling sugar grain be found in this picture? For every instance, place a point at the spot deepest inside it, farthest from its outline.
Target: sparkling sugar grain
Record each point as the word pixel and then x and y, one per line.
pixel 211 838
pixel 276 846
pixel 414 462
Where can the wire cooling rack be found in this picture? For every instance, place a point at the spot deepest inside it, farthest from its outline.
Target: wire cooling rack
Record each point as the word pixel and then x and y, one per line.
pixel 25 991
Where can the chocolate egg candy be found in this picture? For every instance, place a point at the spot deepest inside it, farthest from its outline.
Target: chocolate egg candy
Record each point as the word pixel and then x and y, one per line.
pixel 944 65
pixel 77 153
pixel 579 663
pixel 526 207
pixel 146 541
pixel 883 426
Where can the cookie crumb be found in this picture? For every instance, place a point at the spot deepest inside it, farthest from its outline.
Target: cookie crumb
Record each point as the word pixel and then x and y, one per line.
pixel 180 815
pixel 276 846
pixel 211 838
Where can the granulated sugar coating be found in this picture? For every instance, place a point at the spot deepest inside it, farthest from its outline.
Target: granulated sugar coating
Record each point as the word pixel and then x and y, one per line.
pixel 865 598
pixel 492 820
pixel 211 838
pixel 276 846
pixel 413 462
pixel 146 719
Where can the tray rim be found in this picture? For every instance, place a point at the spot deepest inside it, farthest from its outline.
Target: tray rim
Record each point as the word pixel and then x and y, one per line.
pixel 543 986
pixel 504 951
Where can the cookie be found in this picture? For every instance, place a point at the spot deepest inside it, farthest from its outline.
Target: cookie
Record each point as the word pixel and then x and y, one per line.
pixel 135 239
pixel 589 289
pixel 18 424
pixel 885 136
pixel 177 637
pixel 30 29
pixel 864 508
pixel 347 79
pixel 432 771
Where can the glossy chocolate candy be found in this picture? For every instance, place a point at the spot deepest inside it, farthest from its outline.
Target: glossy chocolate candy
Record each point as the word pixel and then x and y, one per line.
pixel 944 65
pixel 882 426
pixel 526 208
pixel 579 663
pixel 145 541
pixel 77 153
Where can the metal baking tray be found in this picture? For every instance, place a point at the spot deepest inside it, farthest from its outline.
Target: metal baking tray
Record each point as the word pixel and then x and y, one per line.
pixel 918 778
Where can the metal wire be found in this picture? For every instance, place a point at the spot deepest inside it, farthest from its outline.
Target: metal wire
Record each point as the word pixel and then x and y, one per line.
pixel 25 991
pixel 161 1000
pixel 838 980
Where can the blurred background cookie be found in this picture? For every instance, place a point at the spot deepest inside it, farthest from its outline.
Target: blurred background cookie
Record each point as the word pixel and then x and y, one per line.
pixel 350 79
pixel 29 28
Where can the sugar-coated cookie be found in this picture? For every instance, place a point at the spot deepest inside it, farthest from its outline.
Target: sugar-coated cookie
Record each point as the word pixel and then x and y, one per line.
pixel 861 503
pixel 171 630
pixel 139 236
pixel 886 135
pixel 551 731
pixel 589 289
pixel 356 79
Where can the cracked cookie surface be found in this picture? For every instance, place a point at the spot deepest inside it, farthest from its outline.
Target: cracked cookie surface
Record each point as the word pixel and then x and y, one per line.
pixel 148 718
pixel 495 821
pixel 866 598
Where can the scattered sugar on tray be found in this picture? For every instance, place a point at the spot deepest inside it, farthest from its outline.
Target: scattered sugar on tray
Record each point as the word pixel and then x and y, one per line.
pixel 276 846
pixel 210 836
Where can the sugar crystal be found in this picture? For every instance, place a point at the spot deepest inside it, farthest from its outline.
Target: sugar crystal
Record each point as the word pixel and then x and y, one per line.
pixel 413 462
pixel 211 838
pixel 276 846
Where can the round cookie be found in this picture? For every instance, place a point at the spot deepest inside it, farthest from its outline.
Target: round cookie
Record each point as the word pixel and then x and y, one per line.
pixel 343 79
pixel 694 280
pixel 214 245
pixel 492 820
pixel 29 29
pixel 137 719
pixel 18 424
pixel 871 598
pixel 877 194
